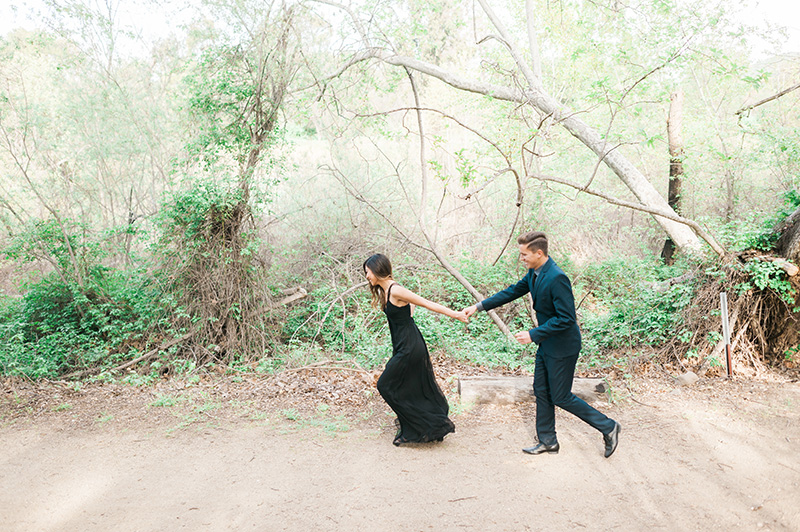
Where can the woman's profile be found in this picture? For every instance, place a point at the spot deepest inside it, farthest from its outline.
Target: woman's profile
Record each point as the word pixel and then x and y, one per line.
pixel 407 383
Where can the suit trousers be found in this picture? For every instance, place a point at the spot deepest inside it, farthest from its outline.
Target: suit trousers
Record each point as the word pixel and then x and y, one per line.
pixel 552 385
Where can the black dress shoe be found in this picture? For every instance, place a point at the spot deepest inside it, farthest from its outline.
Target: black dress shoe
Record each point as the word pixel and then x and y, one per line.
pixel 611 439
pixel 542 448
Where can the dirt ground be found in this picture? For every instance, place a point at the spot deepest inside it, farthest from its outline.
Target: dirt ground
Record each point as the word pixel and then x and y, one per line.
pixel 236 453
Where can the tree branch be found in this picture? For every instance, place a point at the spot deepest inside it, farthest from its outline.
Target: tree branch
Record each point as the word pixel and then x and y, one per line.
pixel 670 215
pixel 434 249
pixel 765 100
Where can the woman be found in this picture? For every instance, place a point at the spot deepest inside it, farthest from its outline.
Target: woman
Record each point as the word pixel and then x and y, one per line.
pixel 407 383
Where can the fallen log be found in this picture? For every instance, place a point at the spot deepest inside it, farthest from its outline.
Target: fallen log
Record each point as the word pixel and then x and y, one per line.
pixel 291 294
pixel 785 265
pixel 504 390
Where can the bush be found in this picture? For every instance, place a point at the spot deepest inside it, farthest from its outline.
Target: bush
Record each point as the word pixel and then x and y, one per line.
pixel 58 327
pixel 758 232
pixel 627 311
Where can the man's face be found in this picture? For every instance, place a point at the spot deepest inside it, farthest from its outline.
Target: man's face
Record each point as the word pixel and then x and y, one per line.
pixel 531 259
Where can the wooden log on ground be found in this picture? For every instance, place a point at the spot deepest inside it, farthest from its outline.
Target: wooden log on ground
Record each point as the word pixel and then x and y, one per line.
pixel 292 294
pixel 504 390
pixel 790 269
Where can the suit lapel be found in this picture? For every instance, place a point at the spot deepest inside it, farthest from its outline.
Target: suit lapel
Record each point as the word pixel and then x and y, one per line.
pixel 537 279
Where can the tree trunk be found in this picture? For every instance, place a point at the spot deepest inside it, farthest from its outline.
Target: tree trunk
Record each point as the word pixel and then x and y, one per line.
pixel 637 183
pixel 788 245
pixel 674 134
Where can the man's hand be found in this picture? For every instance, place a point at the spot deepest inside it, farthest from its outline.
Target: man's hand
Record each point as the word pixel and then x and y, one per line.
pixel 523 337
pixel 469 311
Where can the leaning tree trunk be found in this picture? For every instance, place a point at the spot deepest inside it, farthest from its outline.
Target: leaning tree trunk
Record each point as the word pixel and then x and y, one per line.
pixel 674 127
pixel 683 236
pixel 789 242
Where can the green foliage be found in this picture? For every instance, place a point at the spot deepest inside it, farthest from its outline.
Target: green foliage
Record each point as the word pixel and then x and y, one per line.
pixel 164 401
pixel 49 239
pixel 80 315
pixel 758 231
pixel 791 353
pixel 628 311
pixel 58 327
pixel 192 218
pixel 766 275
pixel 218 96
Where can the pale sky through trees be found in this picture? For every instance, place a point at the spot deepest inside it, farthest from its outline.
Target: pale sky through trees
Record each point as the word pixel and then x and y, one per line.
pixel 140 15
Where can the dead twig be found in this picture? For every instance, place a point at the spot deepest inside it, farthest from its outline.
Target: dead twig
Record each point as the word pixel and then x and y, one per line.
pixel 322 365
pixel 146 356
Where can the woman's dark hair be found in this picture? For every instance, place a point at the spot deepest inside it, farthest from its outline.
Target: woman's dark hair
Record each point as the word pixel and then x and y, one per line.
pixel 381 266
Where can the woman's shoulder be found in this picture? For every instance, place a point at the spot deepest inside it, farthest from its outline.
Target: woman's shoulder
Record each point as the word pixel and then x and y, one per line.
pixel 399 292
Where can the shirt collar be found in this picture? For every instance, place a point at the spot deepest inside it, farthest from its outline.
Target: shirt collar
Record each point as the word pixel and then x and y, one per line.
pixel 538 270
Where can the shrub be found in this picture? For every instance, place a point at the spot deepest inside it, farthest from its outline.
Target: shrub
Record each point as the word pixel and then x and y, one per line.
pixel 628 311
pixel 58 327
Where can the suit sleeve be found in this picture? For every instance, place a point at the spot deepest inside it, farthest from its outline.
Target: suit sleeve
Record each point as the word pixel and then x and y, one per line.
pixel 509 294
pixel 564 316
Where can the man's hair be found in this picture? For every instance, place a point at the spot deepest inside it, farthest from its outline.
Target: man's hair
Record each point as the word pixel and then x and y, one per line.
pixel 534 240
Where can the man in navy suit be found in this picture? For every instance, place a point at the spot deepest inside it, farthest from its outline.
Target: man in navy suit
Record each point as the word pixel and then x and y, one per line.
pixel 559 340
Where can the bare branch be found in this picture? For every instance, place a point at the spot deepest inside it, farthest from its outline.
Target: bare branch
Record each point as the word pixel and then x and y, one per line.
pixel 534 81
pixel 765 100
pixel 670 215
pixel 533 42
pixel 434 249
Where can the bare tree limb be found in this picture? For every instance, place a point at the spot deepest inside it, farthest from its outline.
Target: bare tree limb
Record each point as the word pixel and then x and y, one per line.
pixel 670 215
pixel 533 42
pixel 433 247
pixel 683 236
pixel 509 168
pixel 765 100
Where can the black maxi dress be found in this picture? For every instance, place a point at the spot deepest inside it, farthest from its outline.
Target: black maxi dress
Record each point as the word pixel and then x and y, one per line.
pixel 408 385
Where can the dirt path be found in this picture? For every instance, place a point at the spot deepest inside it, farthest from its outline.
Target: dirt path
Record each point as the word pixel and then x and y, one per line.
pixel 720 456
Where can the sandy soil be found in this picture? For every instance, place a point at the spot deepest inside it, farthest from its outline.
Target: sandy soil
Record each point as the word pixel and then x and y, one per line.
pixel 715 456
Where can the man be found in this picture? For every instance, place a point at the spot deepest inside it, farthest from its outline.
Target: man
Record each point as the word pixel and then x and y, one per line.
pixel 559 340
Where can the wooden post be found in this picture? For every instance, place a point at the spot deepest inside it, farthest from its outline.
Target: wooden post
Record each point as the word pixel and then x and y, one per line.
pixel 726 333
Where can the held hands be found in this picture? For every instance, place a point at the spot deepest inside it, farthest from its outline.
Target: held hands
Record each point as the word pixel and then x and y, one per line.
pixel 461 316
pixel 523 337
pixel 469 311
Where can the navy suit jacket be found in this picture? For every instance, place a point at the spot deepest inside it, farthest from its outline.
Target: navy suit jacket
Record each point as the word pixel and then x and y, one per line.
pixel 558 334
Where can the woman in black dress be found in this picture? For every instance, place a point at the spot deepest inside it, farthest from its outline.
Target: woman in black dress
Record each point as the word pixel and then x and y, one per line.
pixel 407 384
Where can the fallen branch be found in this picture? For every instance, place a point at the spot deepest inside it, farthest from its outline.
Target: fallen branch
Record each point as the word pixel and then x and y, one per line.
pixel 357 370
pixel 322 365
pixel 785 265
pixel 292 294
pixel 146 356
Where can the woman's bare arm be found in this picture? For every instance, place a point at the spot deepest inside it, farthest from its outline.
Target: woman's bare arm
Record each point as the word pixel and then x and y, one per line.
pixel 405 295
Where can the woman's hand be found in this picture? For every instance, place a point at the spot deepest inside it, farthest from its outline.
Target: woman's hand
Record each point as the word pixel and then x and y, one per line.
pixel 469 311
pixel 461 316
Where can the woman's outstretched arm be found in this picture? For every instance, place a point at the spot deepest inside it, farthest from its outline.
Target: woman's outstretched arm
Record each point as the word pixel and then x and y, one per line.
pixel 404 294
